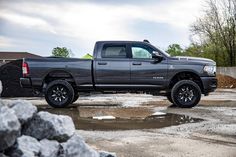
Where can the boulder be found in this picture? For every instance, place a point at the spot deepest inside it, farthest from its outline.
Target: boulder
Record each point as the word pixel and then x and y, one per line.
pixel 9 127
pixel 76 147
pixel 49 148
pixel 50 126
pixel 20 116
pixel 5 103
pixel 25 146
pixel 2 103
pixel 106 154
pixel 24 110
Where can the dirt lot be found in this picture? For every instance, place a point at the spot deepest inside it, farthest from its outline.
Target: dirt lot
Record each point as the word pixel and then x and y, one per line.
pixel 214 135
pixel 225 81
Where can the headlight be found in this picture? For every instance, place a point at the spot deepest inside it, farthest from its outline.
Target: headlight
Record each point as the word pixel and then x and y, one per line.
pixel 210 69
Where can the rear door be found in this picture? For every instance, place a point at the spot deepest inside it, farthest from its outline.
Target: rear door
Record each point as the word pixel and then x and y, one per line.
pixel 146 73
pixel 112 67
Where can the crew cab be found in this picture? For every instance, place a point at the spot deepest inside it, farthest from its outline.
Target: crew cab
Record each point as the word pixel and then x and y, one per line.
pixel 130 66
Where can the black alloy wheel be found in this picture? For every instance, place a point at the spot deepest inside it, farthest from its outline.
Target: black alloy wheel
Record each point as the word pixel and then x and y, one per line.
pixel 59 93
pixel 186 94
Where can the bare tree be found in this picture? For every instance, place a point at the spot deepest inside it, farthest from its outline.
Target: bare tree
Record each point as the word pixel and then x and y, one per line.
pixel 218 28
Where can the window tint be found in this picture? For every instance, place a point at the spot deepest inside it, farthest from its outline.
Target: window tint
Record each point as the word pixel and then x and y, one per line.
pixel 114 51
pixel 140 52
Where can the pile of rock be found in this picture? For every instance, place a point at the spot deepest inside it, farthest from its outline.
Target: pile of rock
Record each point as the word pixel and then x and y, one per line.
pixel 225 81
pixel 26 132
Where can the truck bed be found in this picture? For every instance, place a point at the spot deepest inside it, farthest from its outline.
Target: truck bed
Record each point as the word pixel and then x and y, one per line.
pixel 80 69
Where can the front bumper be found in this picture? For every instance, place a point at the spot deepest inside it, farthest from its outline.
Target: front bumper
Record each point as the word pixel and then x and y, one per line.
pixel 25 82
pixel 209 84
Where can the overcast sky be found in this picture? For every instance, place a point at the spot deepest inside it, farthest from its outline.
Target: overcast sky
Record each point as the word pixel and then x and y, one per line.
pixel 38 26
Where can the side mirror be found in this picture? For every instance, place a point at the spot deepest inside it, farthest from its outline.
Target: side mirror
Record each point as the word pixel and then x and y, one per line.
pixel 157 58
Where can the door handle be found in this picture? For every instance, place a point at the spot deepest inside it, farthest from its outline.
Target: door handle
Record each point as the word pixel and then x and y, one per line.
pixel 102 63
pixel 137 63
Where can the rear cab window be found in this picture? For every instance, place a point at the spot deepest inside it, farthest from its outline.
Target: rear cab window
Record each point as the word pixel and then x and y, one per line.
pixel 114 51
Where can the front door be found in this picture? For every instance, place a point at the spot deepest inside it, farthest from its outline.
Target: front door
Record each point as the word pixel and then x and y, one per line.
pixel 113 68
pixel 145 72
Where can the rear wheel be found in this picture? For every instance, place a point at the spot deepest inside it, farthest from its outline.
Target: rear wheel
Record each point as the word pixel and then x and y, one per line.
pixel 76 97
pixel 59 93
pixel 186 94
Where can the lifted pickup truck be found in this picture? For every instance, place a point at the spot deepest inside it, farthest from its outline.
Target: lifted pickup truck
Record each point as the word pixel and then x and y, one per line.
pixel 130 66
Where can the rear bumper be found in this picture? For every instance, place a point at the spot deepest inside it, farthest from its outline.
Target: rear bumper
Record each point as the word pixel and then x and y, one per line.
pixel 25 82
pixel 209 84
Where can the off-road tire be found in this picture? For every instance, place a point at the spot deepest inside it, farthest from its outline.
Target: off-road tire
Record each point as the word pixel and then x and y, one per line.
pixel 186 94
pixel 168 96
pixel 76 96
pixel 59 94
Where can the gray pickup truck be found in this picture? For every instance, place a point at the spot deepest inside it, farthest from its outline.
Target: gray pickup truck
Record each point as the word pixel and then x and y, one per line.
pixel 118 66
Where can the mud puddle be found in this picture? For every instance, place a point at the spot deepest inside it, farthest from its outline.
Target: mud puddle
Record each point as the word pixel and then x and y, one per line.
pixel 122 123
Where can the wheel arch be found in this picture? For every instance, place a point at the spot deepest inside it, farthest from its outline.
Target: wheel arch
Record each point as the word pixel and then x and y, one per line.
pixel 58 74
pixel 186 75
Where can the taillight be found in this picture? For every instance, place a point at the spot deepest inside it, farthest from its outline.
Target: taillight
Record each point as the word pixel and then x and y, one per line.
pixel 25 69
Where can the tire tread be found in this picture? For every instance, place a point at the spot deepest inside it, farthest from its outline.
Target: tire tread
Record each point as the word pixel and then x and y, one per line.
pixel 67 85
pixel 180 83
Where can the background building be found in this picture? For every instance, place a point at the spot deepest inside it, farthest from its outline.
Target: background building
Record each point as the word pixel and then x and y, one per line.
pixel 10 73
pixel 6 57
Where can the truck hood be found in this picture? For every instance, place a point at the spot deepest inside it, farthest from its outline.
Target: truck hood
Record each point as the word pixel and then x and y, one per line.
pixel 195 59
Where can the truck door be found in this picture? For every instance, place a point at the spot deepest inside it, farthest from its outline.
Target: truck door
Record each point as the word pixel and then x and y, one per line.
pixel 112 67
pixel 145 72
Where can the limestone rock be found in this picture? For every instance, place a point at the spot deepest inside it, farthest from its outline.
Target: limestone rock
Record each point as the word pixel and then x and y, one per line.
pixel 25 146
pixel 49 148
pixel 76 147
pixel 24 110
pixel 9 127
pixel 106 154
pixel 50 126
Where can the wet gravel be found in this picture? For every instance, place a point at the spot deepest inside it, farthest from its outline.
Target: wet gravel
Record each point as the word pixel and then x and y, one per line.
pixel 214 136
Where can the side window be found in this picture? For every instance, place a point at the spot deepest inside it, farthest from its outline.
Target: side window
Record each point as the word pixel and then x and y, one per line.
pixel 114 51
pixel 141 52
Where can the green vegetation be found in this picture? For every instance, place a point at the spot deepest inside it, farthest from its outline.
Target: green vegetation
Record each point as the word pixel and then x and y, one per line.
pixel 175 50
pixel 87 56
pixel 213 34
pixel 61 52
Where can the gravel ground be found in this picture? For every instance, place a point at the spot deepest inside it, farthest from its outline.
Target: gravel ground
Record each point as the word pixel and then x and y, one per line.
pixel 215 136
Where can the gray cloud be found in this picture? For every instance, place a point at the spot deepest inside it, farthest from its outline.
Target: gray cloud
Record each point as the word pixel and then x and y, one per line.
pixel 39 26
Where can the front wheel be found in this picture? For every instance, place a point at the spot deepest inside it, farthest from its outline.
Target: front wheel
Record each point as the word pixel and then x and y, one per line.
pixel 186 94
pixel 59 93
pixel 168 96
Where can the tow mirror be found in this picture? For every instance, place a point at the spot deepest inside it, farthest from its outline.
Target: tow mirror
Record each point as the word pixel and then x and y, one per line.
pixel 157 57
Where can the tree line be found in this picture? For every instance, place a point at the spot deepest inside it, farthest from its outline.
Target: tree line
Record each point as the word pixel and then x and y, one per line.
pixel 213 34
